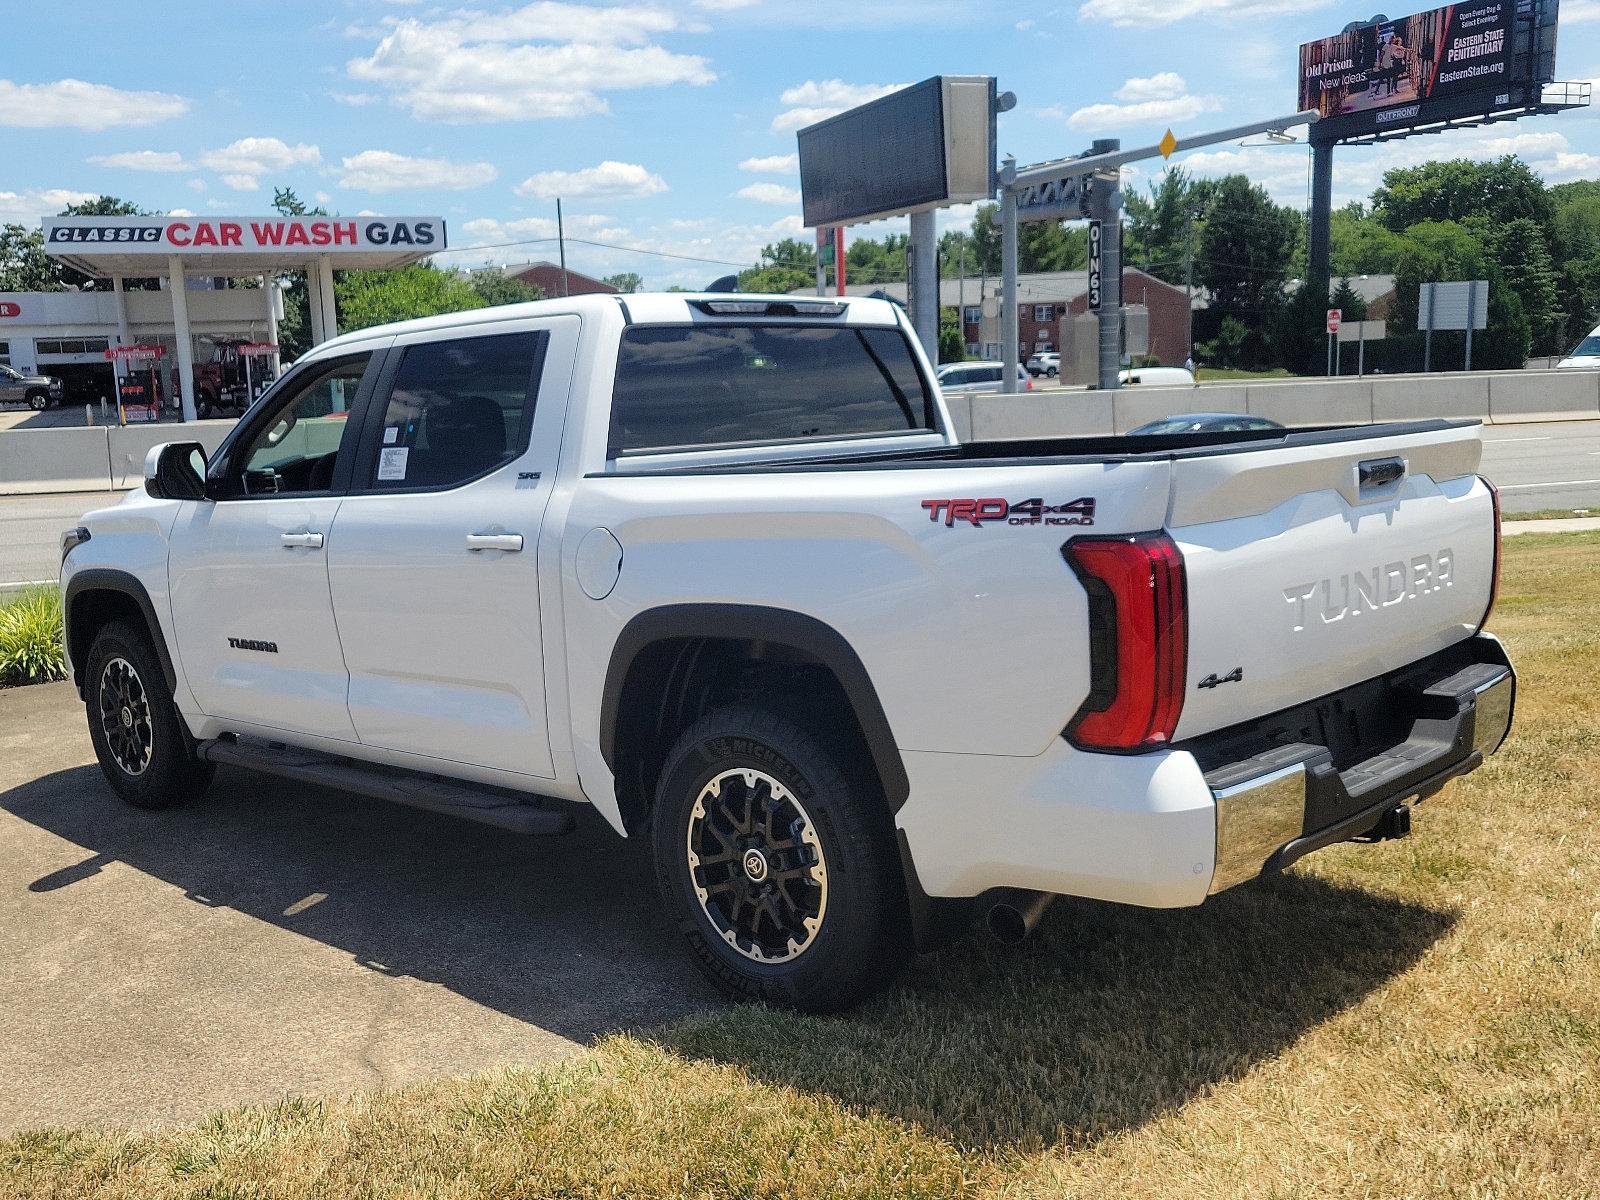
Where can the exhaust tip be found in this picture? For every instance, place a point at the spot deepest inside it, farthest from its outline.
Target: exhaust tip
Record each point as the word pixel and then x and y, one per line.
pixel 1014 915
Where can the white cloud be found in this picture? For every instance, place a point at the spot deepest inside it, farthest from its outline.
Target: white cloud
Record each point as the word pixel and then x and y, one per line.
pixel 1580 10
pixel 386 171
pixel 1162 86
pixel 769 193
pixel 198 185
pixel 80 105
pixel 543 60
pixel 725 5
pixel 817 100
pixel 354 99
pixel 143 160
pixel 494 230
pixel 1143 14
pixel 609 179
pixel 772 164
pixel 25 208
pixel 179 212
pixel 1146 100
pixel 242 163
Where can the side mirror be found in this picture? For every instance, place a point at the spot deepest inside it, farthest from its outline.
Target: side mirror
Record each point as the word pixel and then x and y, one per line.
pixel 176 471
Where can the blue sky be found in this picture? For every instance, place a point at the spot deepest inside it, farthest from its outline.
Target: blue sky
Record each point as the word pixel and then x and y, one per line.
pixel 666 124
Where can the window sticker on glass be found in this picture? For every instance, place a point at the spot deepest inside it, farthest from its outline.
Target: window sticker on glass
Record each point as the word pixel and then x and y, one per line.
pixel 391 435
pixel 392 463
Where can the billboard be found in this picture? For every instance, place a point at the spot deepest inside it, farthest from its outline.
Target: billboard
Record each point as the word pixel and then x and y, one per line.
pixel 1425 67
pixel 921 147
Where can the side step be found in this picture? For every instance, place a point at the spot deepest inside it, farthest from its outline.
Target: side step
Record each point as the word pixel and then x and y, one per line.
pixel 486 805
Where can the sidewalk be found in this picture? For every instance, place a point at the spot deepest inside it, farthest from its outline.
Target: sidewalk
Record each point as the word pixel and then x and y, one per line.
pixel 1559 525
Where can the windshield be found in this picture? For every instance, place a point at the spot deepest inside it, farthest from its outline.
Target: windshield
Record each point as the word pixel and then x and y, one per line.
pixel 1588 348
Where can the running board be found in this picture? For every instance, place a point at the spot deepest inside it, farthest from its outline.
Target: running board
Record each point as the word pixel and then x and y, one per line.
pixel 486 805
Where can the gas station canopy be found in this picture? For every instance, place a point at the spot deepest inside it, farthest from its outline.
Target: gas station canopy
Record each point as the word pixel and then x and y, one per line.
pixel 173 247
pixel 139 247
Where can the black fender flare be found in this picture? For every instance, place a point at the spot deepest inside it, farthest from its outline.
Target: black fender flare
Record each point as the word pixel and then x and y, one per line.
pixel 760 623
pixel 106 579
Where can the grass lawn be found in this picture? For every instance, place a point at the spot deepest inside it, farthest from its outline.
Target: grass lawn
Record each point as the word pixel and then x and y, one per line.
pixel 1414 1019
pixel 1226 374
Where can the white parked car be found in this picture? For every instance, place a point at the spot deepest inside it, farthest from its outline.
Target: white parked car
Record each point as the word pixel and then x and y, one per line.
pixel 718 567
pixel 1046 362
pixel 1156 377
pixel 970 377
pixel 1585 354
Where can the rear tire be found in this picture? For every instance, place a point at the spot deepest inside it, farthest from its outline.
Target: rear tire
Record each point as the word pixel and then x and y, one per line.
pixel 146 752
pixel 783 873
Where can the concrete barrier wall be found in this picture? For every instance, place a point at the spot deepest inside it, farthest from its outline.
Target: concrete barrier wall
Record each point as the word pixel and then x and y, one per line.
pixel 131 444
pixel 54 460
pixel 997 417
pixel 1136 406
pixel 1543 396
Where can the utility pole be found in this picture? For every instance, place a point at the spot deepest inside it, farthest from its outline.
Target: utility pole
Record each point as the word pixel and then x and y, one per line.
pixel 561 242
pixel 1188 289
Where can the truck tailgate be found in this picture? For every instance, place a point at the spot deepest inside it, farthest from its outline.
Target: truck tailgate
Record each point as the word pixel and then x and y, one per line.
pixel 1312 568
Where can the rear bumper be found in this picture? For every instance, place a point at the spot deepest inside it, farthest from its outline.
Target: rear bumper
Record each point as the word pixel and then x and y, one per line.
pixel 1169 828
pixel 1295 796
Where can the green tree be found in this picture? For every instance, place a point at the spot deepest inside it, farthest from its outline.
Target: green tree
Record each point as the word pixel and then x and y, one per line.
pixel 625 281
pixel 785 266
pixel 1525 264
pixel 1244 257
pixel 1461 190
pixel 496 287
pixel 1361 245
pixel 1041 245
pixel 1163 228
pixel 952 341
pixel 1348 301
pixel 1300 331
pixel 24 266
pixel 368 298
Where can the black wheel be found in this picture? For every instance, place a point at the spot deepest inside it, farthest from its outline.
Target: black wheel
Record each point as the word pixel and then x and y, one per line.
pixel 38 401
pixel 1051 372
pixel 783 873
pixel 144 749
pixel 202 410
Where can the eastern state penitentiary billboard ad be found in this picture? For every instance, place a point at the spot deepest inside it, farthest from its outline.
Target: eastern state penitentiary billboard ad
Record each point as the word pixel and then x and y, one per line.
pixel 1399 70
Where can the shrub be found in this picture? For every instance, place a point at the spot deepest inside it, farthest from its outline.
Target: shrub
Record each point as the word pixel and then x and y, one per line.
pixel 30 638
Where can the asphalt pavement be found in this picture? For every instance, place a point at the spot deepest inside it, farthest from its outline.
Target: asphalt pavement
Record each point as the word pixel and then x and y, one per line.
pixel 273 939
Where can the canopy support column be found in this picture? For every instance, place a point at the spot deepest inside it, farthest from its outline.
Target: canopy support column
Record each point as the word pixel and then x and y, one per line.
pixel 124 338
pixel 176 284
pixel 330 313
pixel 314 304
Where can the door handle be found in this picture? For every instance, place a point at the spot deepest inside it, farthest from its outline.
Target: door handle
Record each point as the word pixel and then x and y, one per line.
pixel 308 540
pixel 510 542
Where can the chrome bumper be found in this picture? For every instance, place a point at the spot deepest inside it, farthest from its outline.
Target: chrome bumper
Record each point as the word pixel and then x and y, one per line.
pixel 1298 802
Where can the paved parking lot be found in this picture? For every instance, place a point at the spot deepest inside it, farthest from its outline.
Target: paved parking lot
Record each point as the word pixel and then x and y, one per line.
pixel 276 939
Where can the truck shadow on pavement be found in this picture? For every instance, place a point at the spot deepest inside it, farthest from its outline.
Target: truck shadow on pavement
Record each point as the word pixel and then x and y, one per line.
pixel 565 933
pixel 1106 1019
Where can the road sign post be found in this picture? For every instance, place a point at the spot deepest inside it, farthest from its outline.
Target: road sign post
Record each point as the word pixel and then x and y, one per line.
pixel 1335 319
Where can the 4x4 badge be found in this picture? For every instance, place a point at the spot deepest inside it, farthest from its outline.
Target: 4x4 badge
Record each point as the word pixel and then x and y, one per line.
pixel 1013 512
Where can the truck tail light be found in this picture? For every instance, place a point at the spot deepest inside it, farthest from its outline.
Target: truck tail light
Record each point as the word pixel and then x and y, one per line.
pixel 1494 578
pixel 1138 640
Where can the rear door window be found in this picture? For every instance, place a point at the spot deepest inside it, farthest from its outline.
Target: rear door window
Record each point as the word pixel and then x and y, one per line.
pixel 727 384
pixel 457 410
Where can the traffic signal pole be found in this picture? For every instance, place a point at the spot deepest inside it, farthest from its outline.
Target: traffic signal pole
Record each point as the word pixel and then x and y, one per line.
pixel 1095 180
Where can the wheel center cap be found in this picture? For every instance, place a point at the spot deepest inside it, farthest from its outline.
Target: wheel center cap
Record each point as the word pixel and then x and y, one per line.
pixel 755 865
pixel 127 717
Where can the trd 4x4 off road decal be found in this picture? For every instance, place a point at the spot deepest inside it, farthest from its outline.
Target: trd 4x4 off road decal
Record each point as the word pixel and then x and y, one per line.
pixel 1012 512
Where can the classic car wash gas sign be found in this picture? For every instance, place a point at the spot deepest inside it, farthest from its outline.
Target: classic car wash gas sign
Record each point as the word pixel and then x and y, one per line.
pixel 244 235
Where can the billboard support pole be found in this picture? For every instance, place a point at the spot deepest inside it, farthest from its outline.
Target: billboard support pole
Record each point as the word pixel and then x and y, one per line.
pixel 1008 275
pixel 1319 240
pixel 924 259
pixel 1472 317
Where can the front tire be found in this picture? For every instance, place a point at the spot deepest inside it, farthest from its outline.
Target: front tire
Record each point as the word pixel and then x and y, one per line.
pixel 782 872
pixel 38 401
pixel 145 751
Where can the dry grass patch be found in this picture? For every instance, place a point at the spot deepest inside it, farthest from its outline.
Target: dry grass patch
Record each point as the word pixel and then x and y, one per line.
pixel 1416 1019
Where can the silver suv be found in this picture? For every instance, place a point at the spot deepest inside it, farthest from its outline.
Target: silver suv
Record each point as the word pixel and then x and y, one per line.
pixel 40 391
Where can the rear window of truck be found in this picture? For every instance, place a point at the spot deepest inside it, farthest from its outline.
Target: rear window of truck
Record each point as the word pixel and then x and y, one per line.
pixel 683 386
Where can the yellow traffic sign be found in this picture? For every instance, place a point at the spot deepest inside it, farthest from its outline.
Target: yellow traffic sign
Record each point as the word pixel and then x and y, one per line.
pixel 1167 144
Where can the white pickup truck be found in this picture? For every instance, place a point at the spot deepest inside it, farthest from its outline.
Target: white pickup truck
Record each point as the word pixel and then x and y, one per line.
pixel 718 566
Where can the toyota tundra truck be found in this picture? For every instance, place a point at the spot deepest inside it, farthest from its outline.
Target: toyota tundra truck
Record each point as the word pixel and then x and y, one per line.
pixel 719 566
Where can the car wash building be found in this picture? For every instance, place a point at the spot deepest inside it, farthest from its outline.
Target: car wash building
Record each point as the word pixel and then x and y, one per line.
pixel 178 250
